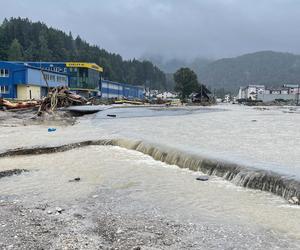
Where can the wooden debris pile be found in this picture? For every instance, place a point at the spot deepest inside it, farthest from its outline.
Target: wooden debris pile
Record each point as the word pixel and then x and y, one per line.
pixel 60 97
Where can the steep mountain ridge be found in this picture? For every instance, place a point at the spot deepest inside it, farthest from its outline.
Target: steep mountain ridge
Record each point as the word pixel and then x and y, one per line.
pixel 265 67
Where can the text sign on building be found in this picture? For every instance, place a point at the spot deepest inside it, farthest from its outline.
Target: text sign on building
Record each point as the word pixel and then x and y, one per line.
pixel 84 65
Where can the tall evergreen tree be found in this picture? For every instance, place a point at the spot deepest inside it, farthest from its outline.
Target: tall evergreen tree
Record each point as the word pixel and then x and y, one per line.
pixel 45 53
pixel 30 54
pixel 15 52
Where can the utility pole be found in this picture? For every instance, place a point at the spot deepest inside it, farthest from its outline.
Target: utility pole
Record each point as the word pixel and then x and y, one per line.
pixel 201 90
pixel 149 88
pixel 45 79
pixel 298 95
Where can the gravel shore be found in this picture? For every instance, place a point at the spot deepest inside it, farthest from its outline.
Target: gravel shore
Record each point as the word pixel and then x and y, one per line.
pixel 109 219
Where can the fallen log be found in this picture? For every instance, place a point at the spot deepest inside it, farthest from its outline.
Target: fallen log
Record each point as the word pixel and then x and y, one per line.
pixel 18 105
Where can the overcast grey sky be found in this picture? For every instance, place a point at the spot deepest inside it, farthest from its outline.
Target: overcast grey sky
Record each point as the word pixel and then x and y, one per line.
pixel 171 28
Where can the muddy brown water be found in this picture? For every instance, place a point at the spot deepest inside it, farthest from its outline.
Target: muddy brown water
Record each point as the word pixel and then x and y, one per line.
pixel 175 191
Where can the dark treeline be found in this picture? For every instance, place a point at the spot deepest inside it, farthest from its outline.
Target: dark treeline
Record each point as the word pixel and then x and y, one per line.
pixel 21 39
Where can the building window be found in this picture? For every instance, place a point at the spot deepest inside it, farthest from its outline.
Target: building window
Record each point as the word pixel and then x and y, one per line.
pixel 4 73
pixel 61 79
pixel 3 89
pixel 49 77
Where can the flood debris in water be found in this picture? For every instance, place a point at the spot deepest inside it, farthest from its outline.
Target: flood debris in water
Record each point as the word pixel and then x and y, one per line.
pixel 51 129
pixel 5 104
pixel 202 178
pixel 60 97
pixel 11 172
pixel 294 200
pixel 77 179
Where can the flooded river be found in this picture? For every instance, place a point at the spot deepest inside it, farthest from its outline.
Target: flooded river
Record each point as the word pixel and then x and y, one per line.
pixel 150 184
pixel 266 140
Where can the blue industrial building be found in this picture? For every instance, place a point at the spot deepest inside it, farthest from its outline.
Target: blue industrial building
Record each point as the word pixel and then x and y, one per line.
pixel 23 81
pixel 116 90
pixel 83 77
pixel 28 80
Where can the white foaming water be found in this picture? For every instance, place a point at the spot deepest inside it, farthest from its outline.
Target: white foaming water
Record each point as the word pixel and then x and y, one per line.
pixel 267 139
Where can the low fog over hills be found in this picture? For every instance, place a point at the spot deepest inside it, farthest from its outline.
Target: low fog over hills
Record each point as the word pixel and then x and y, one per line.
pixel 266 67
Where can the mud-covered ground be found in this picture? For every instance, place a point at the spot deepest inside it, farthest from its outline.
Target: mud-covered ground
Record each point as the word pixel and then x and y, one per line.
pixel 110 219
pixel 29 117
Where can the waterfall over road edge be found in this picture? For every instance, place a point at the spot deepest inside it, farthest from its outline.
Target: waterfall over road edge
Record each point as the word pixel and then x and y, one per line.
pixel 240 175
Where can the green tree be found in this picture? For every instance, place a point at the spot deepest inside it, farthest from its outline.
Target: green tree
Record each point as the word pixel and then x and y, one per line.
pixel 30 52
pixel 15 52
pixel 186 82
pixel 45 53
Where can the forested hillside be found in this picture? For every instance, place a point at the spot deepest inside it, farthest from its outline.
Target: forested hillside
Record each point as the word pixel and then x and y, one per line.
pixel 269 68
pixel 21 39
pixel 170 66
pixel 266 67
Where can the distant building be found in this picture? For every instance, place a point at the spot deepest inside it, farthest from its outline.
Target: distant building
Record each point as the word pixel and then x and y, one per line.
pixel 227 98
pixel 151 93
pixel 203 95
pixel 251 91
pixel 261 93
pixel 287 92
pixel 110 89
pixel 166 95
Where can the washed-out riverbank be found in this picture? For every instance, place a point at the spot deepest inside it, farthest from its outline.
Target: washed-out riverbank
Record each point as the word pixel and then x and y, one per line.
pixel 139 185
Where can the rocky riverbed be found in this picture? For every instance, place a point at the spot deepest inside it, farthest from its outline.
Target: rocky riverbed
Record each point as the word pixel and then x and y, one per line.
pixel 110 220
pixel 114 198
